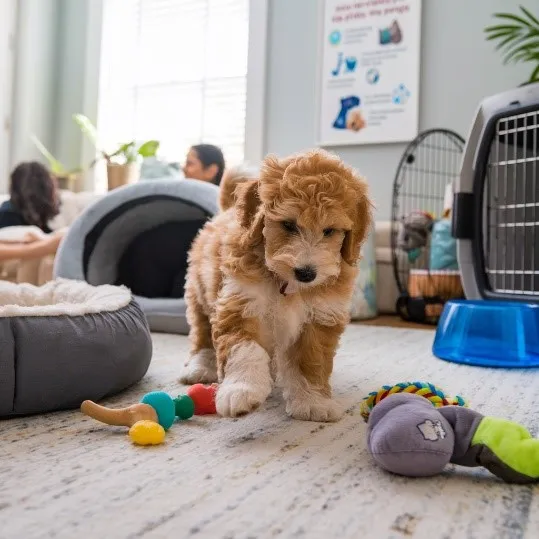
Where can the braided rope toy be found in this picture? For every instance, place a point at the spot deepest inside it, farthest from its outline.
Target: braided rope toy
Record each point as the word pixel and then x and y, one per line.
pixel 434 394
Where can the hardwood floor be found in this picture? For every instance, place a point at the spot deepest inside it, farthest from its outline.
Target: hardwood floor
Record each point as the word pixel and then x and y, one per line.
pixel 394 322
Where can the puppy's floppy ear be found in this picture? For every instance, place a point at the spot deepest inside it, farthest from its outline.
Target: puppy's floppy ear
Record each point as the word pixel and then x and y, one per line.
pixel 361 224
pixel 247 206
pixel 233 177
pixel 247 202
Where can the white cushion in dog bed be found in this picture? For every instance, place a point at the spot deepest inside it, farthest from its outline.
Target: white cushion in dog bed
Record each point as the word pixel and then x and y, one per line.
pixel 68 341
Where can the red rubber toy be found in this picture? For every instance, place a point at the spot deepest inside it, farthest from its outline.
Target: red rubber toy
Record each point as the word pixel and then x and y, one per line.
pixel 204 398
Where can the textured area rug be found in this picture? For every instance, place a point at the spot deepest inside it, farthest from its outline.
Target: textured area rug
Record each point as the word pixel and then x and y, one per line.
pixel 65 476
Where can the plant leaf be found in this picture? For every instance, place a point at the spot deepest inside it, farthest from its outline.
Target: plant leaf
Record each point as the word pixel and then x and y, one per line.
pixel 123 149
pixel 529 15
pixel 517 48
pixel 503 28
pixel 516 44
pixel 512 17
pixel 149 148
pixel 87 127
pixel 531 47
pixel 519 57
pixel 534 77
pixel 498 35
pixel 55 165
pixel 506 41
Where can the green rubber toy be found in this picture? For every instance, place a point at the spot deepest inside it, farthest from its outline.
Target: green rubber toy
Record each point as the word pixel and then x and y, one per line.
pixel 184 406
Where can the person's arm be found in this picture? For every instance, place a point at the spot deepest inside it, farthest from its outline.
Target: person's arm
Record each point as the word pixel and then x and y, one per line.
pixel 25 251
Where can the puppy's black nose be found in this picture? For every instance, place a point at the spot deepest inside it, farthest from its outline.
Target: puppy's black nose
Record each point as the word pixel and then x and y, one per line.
pixel 306 274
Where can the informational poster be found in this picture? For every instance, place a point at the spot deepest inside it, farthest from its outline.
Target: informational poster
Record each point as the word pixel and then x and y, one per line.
pixel 369 81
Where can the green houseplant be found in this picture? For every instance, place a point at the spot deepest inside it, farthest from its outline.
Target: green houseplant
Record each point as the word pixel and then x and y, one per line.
pixel 123 163
pixel 67 178
pixel 518 39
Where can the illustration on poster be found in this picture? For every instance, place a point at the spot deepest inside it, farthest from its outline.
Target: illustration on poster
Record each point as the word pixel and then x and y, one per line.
pixel 400 95
pixel 349 63
pixel 349 116
pixel 393 34
pixel 335 37
pixel 373 75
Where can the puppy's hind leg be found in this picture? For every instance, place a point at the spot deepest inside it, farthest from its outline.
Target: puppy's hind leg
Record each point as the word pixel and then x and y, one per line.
pixel 201 366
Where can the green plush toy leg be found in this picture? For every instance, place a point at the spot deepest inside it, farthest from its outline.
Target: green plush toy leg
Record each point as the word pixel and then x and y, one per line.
pixel 507 449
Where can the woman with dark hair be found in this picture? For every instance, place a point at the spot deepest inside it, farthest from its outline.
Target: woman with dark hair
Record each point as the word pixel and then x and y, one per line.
pixel 204 162
pixel 33 199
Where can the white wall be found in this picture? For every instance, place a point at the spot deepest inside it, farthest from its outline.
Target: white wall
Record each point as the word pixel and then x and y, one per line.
pixel 57 52
pixel 34 77
pixel 458 68
pixel 7 31
pixel 79 40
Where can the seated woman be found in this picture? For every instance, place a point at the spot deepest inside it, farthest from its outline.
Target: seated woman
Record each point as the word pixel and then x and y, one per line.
pixel 204 162
pixel 34 199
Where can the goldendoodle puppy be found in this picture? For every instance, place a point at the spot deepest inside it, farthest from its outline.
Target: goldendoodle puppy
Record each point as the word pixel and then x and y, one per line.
pixel 269 284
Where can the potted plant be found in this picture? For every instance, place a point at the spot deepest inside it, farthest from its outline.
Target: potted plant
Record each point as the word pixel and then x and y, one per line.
pixel 518 38
pixel 123 164
pixel 66 178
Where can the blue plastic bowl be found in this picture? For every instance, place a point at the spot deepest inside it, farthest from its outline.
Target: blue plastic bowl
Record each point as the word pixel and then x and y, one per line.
pixel 488 334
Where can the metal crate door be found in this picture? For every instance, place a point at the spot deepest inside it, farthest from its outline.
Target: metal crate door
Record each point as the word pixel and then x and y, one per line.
pixel 500 217
pixel 511 261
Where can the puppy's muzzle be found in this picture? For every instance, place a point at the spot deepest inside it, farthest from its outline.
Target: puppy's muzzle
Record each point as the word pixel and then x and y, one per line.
pixel 305 274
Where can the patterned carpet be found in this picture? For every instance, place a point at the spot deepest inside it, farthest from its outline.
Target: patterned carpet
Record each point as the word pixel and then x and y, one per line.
pixel 65 476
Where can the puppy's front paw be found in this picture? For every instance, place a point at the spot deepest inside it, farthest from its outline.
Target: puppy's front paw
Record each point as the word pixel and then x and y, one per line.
pixel 200 369
pixel 239 398
pixel 315 408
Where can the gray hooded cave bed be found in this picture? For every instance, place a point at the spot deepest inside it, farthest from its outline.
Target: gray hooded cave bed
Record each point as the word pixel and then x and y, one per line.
pixel 138 236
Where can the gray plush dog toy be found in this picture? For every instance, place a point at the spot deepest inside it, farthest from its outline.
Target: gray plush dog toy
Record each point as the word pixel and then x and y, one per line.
pixel 409 436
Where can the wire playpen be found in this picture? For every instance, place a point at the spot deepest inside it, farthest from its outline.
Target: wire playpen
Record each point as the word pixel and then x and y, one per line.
pixel 423 250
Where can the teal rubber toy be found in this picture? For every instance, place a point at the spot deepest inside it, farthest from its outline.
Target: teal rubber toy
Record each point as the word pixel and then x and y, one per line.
pixel 164 406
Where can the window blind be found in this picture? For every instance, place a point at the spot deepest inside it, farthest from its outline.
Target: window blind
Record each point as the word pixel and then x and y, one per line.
pixel 175 71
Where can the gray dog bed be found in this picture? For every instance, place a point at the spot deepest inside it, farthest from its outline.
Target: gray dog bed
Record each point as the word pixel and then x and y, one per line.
pixel 68 341
pixel 139 236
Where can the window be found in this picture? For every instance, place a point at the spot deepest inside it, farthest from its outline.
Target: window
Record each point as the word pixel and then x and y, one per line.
pixel 175 71
pixel 7 32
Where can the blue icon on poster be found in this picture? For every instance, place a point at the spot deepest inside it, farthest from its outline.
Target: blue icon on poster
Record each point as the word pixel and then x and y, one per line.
pixel 335 37
pixel 337 69
pixel 349 64
pixel 373 76
pixel 347 103
pixel 400 95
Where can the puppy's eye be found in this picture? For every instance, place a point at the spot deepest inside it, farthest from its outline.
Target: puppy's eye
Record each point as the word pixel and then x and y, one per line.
pixel 328 232
pixel 290 226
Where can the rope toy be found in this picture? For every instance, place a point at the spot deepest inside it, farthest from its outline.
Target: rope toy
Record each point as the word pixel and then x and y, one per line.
pixel 432 393
pixel 156 412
